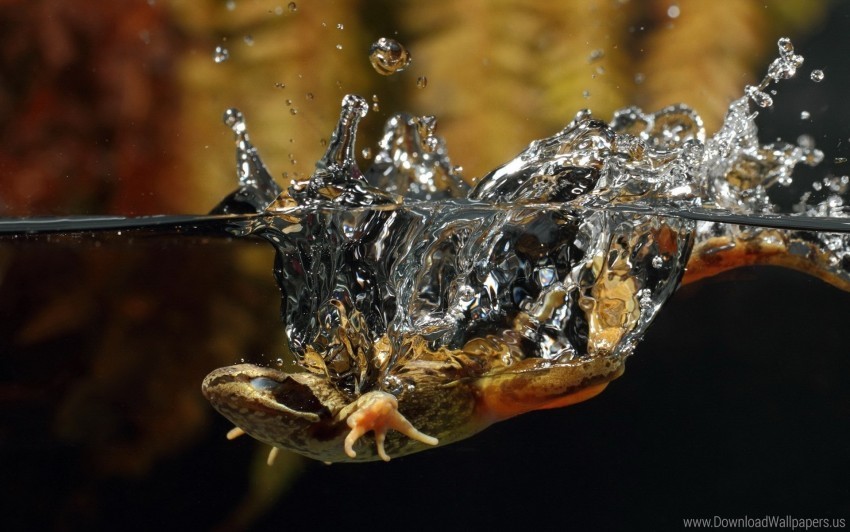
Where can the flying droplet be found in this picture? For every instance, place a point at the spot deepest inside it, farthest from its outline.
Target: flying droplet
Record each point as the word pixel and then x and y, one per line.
pixel 657 261
pixel 760 98
pixel 221 54
pixel 366 153
pixel 421 82
pixel 388 56
pixel 817 75
pixel 805 115
pixel 806 141
pixel 840 160
pixel 293 7
pixel 340 27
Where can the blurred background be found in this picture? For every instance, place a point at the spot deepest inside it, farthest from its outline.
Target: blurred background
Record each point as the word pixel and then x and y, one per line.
pixel 737 402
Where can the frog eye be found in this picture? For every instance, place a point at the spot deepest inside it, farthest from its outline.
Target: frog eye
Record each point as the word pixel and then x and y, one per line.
pixel 262 384
pixel 290 394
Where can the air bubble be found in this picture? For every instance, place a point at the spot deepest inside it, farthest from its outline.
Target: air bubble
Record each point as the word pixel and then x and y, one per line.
pixel 388 56
pixel 817 75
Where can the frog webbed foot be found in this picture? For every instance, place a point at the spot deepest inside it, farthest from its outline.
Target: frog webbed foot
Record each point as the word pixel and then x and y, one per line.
pixel 378 412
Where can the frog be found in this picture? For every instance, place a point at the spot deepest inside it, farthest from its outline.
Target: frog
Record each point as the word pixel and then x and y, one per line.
pixel 420 310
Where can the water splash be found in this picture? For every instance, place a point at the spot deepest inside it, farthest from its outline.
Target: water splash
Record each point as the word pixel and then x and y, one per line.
pixel 565 253
pixel 257 189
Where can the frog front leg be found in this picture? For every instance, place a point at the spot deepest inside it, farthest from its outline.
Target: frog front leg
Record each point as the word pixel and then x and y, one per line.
pixel 378 412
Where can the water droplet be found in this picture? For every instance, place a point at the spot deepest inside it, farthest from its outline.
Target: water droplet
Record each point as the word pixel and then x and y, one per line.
pixel 640 77
pixel 760 98
pixel 293 7
pixel 249 40
pixel 388 56
pixel 595 55
pixel 421 82
pixel 806 141
pixel 673 11
pixel 817 75
pixel 366 153
pixel 805 115
pixel 221 54
pixel 432 143
pixel 585 94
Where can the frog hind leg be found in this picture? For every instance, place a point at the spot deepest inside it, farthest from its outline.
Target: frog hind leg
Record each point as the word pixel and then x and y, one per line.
pixel 537 384
pixel 378 412
pixel 797 250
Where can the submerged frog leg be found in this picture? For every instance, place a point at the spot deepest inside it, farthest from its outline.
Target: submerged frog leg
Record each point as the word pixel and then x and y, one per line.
pixel 378 412
pixel 797 250
pixel 535 384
